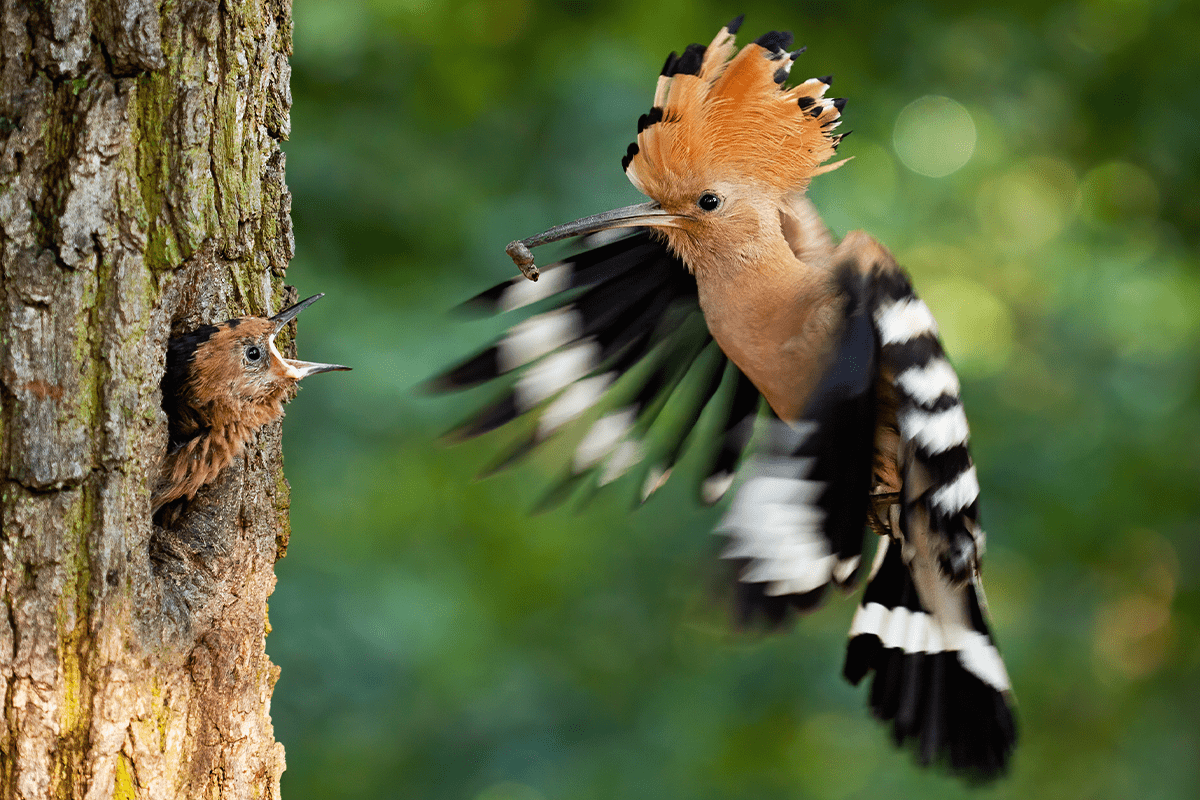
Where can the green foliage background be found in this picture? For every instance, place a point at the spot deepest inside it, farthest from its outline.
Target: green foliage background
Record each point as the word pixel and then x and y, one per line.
pixel 438 641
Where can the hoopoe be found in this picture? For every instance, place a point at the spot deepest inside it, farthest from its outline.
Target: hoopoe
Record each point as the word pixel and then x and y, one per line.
pixel 223 382
pixel 731 279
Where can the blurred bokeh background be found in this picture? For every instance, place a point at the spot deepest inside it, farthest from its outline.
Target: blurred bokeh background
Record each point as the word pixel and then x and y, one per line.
pixel 1035 165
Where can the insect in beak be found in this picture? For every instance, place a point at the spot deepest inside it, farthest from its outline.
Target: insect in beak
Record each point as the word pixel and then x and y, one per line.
pixel 642 214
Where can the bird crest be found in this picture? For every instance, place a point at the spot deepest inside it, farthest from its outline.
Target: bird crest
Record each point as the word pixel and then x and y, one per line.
pixel 719 111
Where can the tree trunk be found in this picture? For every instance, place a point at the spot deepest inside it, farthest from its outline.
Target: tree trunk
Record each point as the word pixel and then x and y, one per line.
pixel 142 194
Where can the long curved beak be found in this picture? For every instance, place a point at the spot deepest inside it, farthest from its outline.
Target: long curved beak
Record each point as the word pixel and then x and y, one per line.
pixel 643 214
pixel 291 312
pixel 305 368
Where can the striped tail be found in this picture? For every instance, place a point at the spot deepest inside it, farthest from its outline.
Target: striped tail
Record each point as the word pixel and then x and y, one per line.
pixel 938 676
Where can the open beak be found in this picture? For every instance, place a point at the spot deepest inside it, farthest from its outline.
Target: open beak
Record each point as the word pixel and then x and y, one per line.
pixel 291 312
pixel 306 368
pixel 643 214
pixel 300 369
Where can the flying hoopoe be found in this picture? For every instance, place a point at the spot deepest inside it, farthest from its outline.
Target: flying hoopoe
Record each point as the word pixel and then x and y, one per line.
pixel 731 279
pixel 223 382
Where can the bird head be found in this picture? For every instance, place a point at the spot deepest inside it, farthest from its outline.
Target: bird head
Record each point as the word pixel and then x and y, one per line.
pixel 224 382
pixel 240 361
pixel 725 146
pixel 232 373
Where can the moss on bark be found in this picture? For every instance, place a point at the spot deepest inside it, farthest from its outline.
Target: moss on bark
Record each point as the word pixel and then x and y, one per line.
pixel 141 194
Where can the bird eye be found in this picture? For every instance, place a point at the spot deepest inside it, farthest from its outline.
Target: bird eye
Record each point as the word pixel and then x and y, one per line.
pixel 253 353
pixel 709 201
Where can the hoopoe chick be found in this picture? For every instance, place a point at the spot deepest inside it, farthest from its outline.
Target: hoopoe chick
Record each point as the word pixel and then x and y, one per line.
pixel 731 291
pixel 224 382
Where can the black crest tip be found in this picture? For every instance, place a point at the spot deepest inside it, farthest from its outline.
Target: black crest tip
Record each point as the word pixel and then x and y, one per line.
pixel 781 75
pixel 689 63
pixel 775 41
pixel 669 67
pixel 804 101
pixel 798 52
pixel 827 80
pixel 628 157
pixel 735 24
pixel 839 103
pixel 646 120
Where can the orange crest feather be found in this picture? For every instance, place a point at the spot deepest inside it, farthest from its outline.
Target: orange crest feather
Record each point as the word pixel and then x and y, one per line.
pixel 718 115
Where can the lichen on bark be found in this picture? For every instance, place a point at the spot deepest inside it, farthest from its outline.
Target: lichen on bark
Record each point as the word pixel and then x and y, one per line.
pixel 141 193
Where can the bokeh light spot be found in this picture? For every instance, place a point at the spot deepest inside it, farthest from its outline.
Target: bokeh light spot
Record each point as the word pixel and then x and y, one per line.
pixel 1150 314
pixel 1028 206
pixel 1118 193
pixel 1133 634
pixel 1134 631
pixel 976 326
pixel 934 136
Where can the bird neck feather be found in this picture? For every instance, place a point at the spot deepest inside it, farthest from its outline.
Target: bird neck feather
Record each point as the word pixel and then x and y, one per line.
pixel 774 314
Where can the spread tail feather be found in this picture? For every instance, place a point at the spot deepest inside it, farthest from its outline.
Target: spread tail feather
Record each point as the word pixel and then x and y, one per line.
pixel 938 677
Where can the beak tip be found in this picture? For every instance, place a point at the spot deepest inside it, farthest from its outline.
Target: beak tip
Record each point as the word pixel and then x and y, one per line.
pixel 291 312
pixel 305 368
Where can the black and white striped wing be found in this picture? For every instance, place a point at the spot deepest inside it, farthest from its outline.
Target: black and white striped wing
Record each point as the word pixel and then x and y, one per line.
pixel 922 624
pixel 618 327
pixel 932 423
pixel 797 520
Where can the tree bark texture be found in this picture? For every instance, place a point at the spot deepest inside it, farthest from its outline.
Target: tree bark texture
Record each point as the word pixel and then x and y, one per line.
pixel 141 194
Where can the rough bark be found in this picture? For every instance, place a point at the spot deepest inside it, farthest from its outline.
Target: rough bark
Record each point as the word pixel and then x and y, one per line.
pixel 141 193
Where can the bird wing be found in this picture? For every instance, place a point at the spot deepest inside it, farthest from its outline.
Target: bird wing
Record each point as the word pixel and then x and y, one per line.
pixel 618 328
pixel 939 679
pixel 883 439
pixel 184 421
pixel 922 624
pixel 797 519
